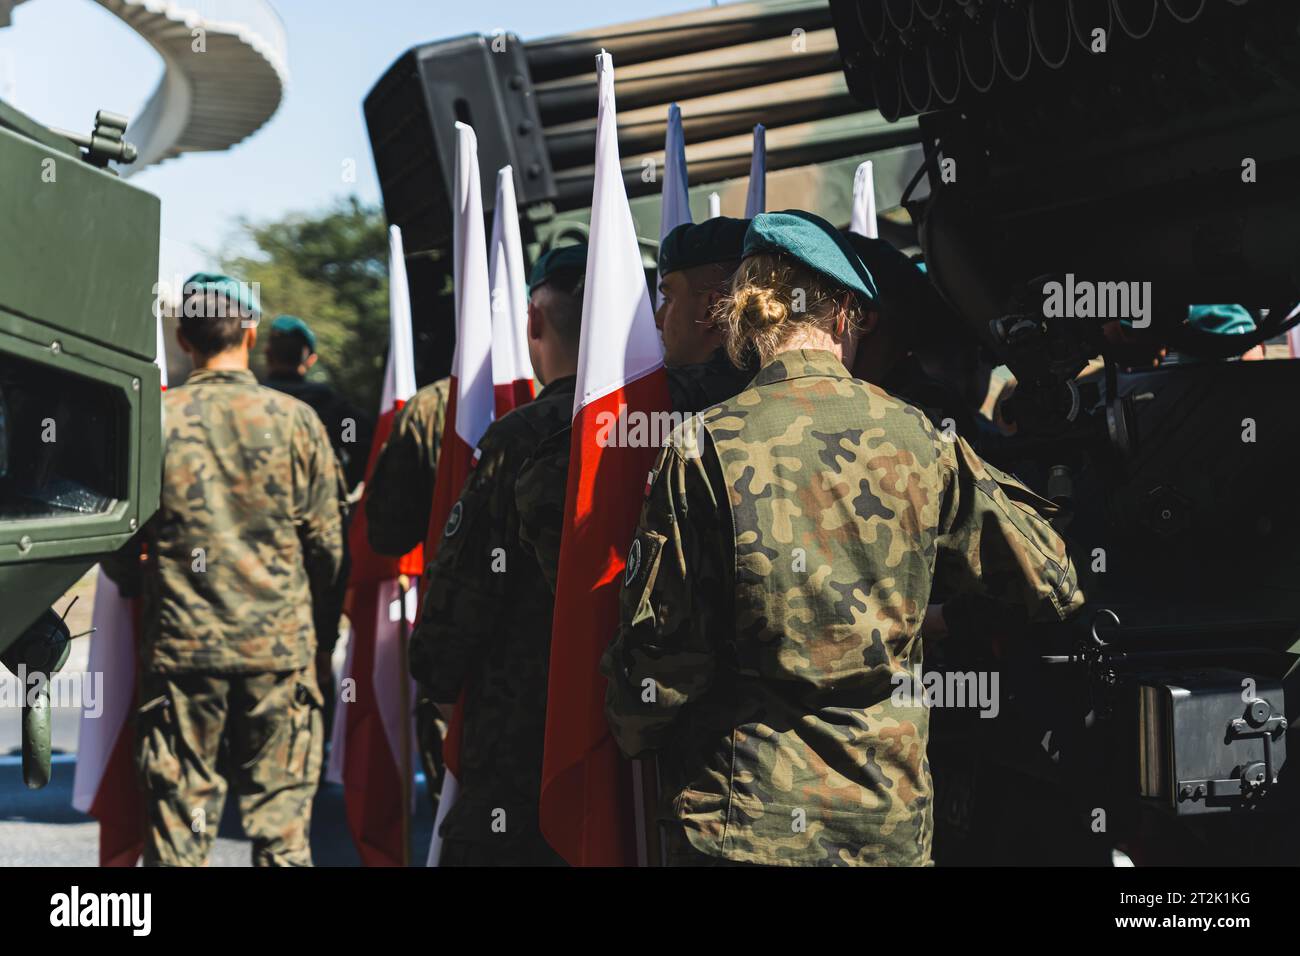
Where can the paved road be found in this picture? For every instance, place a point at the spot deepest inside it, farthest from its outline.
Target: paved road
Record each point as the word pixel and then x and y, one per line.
pixel 40 828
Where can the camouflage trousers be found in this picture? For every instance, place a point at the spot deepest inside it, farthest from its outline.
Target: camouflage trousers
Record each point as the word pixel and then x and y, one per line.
pixel 678 851
pixel 270 726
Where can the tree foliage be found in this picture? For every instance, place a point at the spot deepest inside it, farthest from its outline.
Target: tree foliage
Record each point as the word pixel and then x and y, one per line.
pixel 331 269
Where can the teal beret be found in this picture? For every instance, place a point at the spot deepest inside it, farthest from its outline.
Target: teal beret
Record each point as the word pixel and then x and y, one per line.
pixel 237 292
pixel 292 325
pixel 814 242
pixel 1221 319
pixel 720 239
pixel 557 260
pixel 896 275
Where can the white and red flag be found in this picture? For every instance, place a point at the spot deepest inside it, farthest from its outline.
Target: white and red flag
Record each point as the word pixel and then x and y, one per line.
pixel 512 371
pixel 373 726
pixel 586 800
pixel 104 784
pixel 863 220
pixel 471 407
pixel 756 197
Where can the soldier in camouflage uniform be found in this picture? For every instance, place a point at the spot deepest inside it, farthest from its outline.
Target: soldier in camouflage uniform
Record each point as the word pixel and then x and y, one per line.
pixel 696 262
pixel 290 354
pixel 775 591
pixel 248 535
pixel 401 486
pixel 485 626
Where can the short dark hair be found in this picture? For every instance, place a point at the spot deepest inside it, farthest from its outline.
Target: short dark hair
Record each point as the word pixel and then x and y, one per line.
pixel 563 303
pixel 211 322
pixel 286 348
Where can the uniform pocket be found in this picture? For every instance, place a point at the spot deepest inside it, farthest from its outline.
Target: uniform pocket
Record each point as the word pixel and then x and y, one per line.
pixel 156 762
pixel 304 724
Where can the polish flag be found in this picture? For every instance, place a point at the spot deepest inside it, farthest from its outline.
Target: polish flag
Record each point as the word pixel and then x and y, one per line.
pixel 863 221
pixel 586 807
pixel 104 784
pixel 675 203
pixel 374 725
pixel 472 403
pixel 756 198
pixel 512 370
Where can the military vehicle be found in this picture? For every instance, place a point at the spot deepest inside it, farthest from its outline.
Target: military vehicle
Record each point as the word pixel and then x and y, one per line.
pixel 1141 147
pixel 80 406
pixel 533 107
pixel 1022 147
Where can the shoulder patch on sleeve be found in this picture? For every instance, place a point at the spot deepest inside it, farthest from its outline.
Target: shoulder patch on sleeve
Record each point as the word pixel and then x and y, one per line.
pixel 634 563
pixel 453 520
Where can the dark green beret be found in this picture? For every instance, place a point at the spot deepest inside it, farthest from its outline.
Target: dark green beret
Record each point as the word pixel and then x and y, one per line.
pixel 720 239
pixel 813 241
pixel 1221 319
pixel 897 276
pixel 292 325
pixel 556 260
pixel 237 292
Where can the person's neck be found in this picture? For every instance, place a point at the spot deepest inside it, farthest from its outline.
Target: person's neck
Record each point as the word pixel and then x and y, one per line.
pixel 231 360
pixel 812 338
pixel 562 369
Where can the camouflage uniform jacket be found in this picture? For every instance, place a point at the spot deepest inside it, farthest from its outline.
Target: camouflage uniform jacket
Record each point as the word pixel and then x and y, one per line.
pixel 543 480
pixel 351 432
pixel 772 609
pixel 400 493
pixel 485 626
pixel 248 530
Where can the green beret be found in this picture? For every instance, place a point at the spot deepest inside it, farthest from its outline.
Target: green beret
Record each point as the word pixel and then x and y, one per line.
pixel 239 293
pixel 814 242
pixel 720 239
pixel 292 325
pixel 556 260
pixel 1221 319
pixel 896 275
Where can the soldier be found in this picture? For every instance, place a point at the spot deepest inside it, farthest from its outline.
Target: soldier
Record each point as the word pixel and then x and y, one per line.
pixel 696 262
pixel 248 534
pixel 290 355
pixel 401 485
pixel 486 622
pixel 774 594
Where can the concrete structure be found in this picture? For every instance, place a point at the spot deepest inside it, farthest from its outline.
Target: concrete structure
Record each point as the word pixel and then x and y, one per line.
pixel 225 72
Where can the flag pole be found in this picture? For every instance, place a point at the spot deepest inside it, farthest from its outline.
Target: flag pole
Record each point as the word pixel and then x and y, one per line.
pixel 404 689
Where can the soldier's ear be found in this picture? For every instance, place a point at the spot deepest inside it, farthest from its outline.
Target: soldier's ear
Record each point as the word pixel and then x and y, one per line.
pixel 534 321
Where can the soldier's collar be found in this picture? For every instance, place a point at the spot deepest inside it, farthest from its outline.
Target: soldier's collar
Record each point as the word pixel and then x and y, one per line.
pixel 565 383
pixel 240 375
pixel 800 363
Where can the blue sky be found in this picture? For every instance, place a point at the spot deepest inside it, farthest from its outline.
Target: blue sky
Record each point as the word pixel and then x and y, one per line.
pixel 62 60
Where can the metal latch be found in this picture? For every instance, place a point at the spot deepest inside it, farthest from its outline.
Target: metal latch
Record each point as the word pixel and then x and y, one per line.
pixel 106 142
pixel 1254 778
